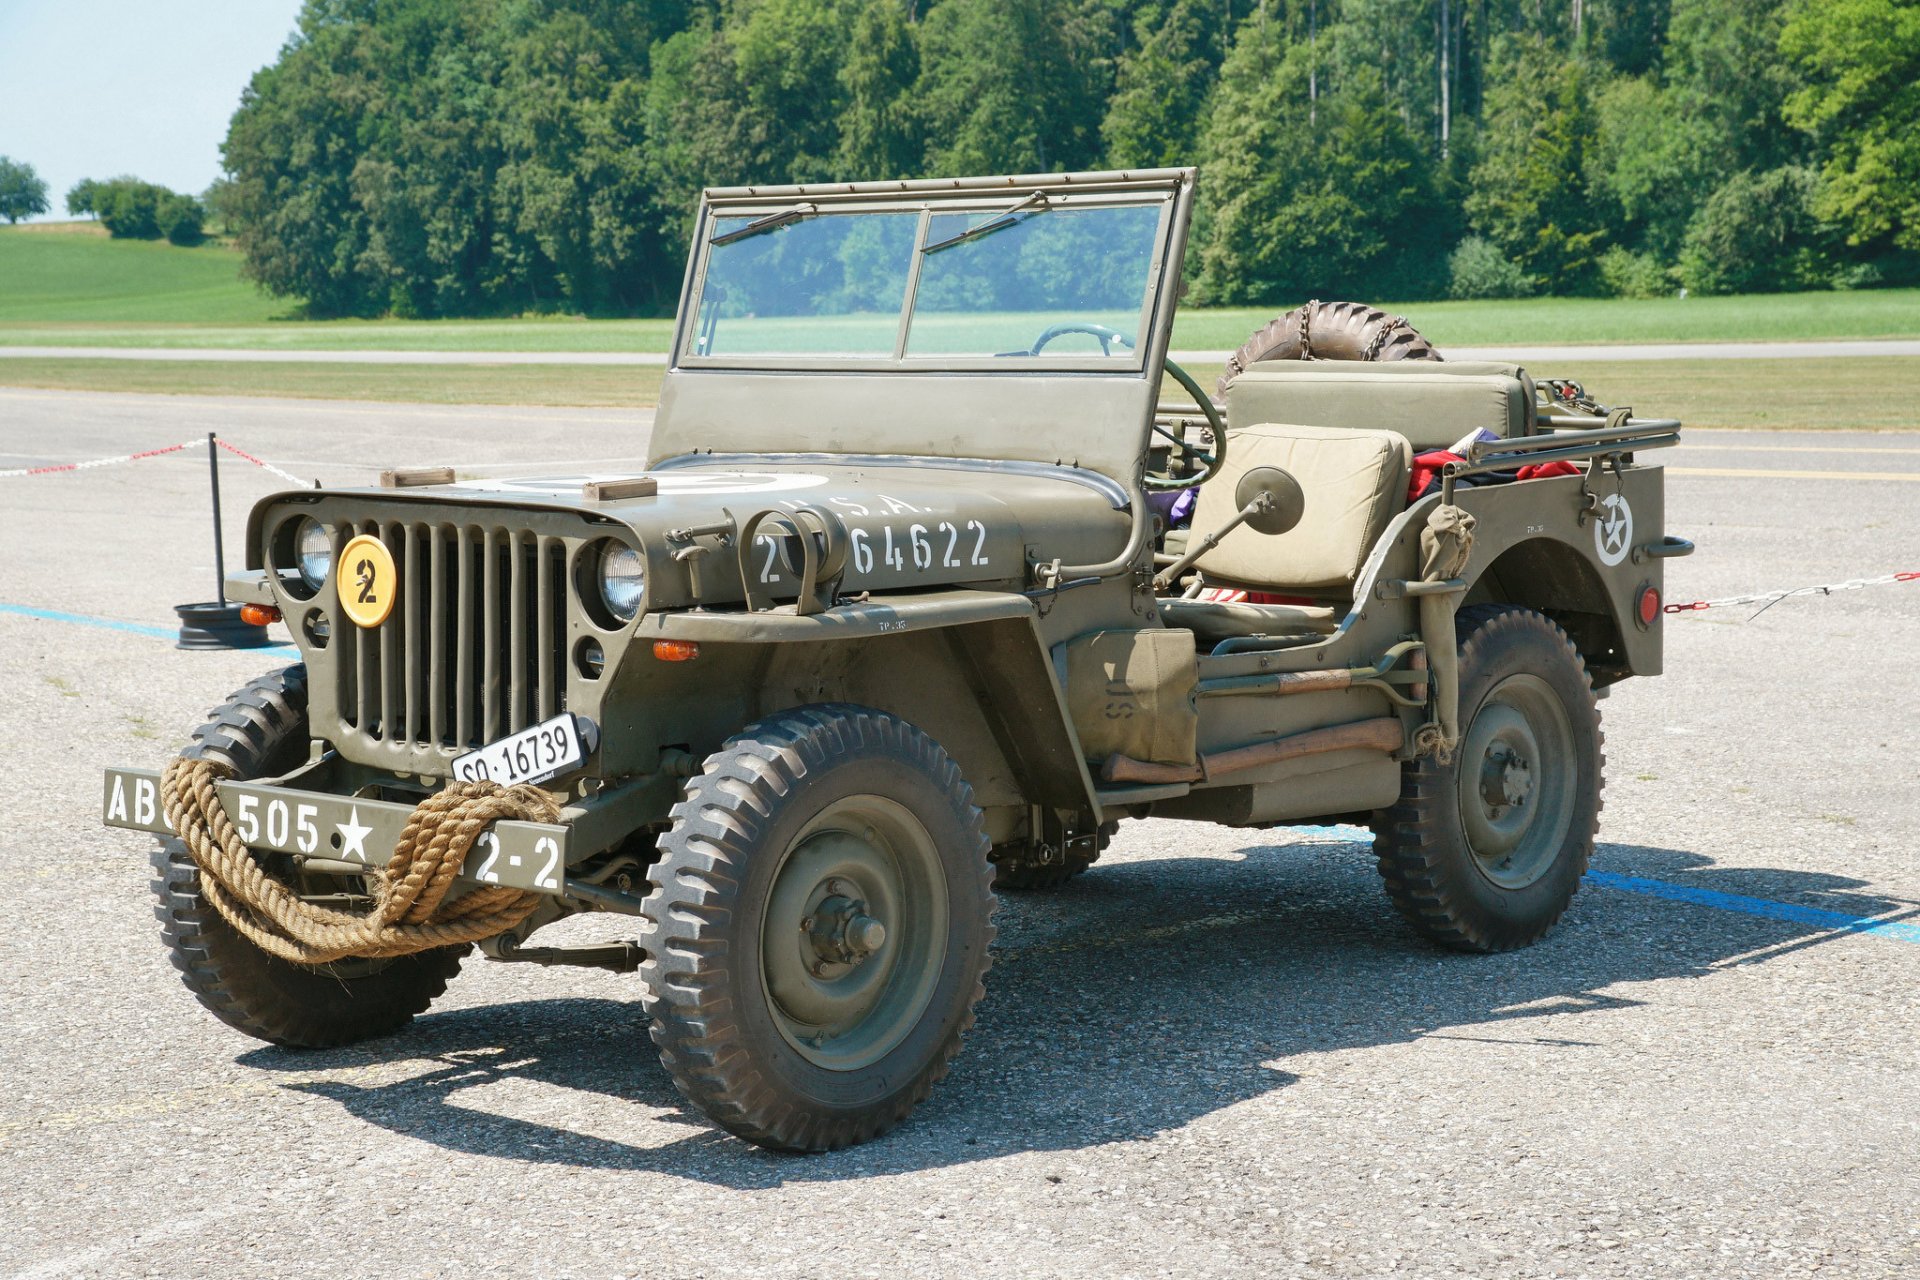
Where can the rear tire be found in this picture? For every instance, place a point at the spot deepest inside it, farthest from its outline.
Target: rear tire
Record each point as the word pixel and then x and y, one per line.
pixel 777 1008
pixel 1485 852
pixel 259 732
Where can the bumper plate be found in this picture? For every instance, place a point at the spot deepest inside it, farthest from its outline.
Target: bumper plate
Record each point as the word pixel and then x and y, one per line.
pixel 521 855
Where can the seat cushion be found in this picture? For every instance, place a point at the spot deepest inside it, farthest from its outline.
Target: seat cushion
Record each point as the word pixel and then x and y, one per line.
pixel 1432 403
pixel 1354 482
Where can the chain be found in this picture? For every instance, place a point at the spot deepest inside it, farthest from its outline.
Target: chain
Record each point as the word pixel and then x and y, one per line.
pixel 1767 599
pixel 1381 335
pixel 1306 329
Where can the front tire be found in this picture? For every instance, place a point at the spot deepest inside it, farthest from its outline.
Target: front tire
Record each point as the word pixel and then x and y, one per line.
pixel 818 926
pixel 1485 852
pixel 260 732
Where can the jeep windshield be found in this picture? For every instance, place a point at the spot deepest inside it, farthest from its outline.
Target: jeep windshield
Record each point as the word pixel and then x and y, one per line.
pixel 1040 280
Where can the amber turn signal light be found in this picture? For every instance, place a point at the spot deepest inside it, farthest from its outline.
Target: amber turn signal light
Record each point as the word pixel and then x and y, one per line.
pixel 675 650
pixel 259 615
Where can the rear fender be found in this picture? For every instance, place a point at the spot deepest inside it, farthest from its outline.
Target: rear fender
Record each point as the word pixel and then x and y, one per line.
pixel 1536 545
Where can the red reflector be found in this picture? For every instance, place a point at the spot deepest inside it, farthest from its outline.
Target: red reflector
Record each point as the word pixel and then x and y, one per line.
pixel 1649 606
pixel 259 615
pixel 675 650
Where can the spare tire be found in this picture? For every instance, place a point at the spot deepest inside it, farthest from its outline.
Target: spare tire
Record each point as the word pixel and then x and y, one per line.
pixel 1330 331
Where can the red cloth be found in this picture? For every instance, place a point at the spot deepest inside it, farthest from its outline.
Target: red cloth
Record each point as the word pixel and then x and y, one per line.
pixel 1234 595
pixel 1425 467
pixel 1428 465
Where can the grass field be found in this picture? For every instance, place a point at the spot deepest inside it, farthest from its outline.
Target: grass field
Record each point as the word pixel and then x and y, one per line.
pixel 1867 393
pixel 72 274
pixel 67 284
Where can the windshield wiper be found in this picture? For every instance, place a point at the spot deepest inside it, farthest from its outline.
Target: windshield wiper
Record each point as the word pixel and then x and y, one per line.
pixel 771 222
pixel 1008 217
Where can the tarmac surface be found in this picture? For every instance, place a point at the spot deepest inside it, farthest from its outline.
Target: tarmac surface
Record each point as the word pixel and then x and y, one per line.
pixel 1219 1053
pixel 1525 355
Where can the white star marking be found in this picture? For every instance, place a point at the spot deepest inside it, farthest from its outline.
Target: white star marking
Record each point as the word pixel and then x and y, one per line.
pixel 353 836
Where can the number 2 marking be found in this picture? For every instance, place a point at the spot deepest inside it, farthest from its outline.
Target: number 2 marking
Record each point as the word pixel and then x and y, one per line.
pixel 364 575
pixel 773 549
pixel 546 879
pixel 485 871
pixel 979 543
pixel 953 537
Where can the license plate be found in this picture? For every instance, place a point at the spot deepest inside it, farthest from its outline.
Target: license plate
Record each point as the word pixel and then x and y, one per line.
pixel 532 755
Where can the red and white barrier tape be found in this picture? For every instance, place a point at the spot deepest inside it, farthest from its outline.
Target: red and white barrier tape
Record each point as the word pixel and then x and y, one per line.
pixel 102 462
pixel 288 476
pixel 1767 599
pixel 62 467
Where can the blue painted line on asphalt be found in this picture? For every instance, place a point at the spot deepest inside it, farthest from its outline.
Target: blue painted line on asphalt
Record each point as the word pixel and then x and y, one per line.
pixel 114 624
pixel 1766 908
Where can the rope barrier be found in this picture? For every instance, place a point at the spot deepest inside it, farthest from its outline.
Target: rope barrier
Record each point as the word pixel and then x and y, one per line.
pixel 59 468
pixel 288 476
pixel 410 910
pixel 102 462
pixel 1767 599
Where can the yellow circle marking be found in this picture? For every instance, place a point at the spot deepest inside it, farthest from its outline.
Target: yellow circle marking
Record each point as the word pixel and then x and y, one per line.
pixel 367 581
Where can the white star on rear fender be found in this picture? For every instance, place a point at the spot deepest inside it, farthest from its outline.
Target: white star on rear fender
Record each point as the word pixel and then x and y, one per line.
pixel 353 836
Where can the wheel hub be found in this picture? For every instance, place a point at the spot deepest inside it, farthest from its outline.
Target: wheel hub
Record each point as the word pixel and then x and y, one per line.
pixel 1516 781
pixel 1506 779
pixel 840 930
pixel 854 929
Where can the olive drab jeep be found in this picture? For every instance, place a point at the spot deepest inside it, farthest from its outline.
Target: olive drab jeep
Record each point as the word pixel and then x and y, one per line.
pixel 917 591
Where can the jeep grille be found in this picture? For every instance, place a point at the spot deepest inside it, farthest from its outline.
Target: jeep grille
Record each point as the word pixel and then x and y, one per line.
pixel 474 647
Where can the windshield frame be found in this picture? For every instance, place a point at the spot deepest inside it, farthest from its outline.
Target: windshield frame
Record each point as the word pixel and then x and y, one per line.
pixel 989 200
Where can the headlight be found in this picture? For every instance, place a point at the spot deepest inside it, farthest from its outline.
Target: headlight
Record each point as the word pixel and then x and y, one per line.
pixel 623 576
pixel 315 551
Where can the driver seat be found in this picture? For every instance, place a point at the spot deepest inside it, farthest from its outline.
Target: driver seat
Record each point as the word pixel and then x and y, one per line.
pixel 1354 482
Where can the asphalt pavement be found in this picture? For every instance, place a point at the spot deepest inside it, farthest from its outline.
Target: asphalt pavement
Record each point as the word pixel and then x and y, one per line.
pixel 1217 1054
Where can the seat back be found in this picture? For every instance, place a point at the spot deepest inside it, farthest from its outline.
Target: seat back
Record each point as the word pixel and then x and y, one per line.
pixel 1354 483
pixel 1433 403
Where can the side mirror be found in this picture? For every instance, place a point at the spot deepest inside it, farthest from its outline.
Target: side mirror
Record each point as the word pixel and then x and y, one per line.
pixel 1274 497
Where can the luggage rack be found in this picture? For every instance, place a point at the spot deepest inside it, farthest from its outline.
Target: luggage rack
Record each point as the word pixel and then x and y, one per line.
pixel 1607 441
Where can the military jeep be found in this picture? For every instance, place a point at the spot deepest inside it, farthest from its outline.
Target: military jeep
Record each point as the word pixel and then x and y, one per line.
pixel 892 614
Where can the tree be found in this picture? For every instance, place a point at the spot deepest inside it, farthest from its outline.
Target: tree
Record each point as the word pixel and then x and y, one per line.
pixel 1861 102
pixel 879 133
pixel 1160 90
pixel 1340 202
pixel 1011 86
pixel 180 218
pixel 82 198
pixel 129 208
pixel 1529 191
pixel 22 193
pixel 1756 234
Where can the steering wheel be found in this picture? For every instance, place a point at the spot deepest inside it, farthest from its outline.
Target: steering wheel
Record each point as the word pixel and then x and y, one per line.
pixel 1107 336
pixel 1211 463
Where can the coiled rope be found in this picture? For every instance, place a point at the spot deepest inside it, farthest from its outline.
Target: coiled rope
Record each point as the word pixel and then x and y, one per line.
pixel 410 908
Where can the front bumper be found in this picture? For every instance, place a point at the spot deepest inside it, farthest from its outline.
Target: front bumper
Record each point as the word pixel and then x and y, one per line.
pixel 273 817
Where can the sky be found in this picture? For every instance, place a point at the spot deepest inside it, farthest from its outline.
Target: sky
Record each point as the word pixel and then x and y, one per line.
pixel 98 88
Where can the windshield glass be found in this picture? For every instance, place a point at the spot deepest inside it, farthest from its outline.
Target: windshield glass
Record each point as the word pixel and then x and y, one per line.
pixel 830 285
pixel 1034 280
pixel 1061 281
